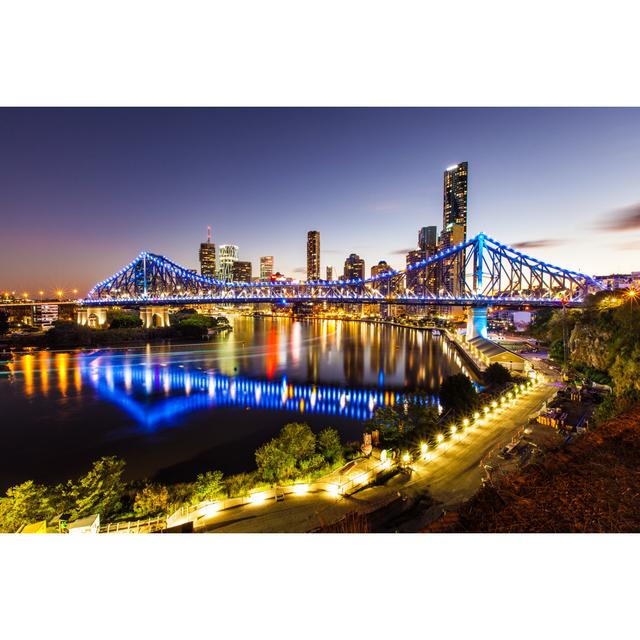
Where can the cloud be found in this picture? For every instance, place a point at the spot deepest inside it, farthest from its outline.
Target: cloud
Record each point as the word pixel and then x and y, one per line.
pixel 401 252
pixel 299 270
pixel 634 245
pixel 536 244
pixel 625 219
pixel 389 205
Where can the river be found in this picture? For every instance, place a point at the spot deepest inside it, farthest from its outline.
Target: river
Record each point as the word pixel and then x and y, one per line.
pixel 175 410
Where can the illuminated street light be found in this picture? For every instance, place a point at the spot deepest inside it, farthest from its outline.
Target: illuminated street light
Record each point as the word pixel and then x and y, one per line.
pixel 440 437
pixel 424 448
pixel 258 498
pixel 476 416
pixel 333 490
pixel 211 509
pixel 300 489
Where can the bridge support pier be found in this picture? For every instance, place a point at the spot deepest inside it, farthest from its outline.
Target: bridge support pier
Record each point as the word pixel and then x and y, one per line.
pixel 91 317
pixel 476 322
pixel 154 317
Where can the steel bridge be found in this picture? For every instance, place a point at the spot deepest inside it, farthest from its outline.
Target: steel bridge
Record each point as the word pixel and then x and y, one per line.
pixel 480 272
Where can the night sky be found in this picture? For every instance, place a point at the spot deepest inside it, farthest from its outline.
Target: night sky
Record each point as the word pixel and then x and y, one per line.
pixel 83 191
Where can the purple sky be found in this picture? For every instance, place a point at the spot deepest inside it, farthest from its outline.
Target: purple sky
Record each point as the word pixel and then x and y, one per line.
pixel 83 191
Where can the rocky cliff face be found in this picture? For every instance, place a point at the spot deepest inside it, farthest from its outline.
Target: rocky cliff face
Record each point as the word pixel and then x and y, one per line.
pixel 591 346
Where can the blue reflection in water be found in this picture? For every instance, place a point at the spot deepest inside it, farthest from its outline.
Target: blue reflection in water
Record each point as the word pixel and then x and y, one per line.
pixel 155 394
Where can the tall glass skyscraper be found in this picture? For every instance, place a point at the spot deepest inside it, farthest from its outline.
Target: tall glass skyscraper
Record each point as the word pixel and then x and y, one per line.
pixel 227 256
pixel 313 255
pixel 207 257
pixel 454 211
pixel 454 224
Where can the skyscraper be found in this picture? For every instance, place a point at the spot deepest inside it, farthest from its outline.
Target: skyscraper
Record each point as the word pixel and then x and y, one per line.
pixel 427 240
pixel 415 276
pixel 313 255
pixel 329 272
pixel 266 267
pixel 241 271
pixel 208 257
pixel 454 211
pixel 454 226
pixel 227 256
pixel 353 267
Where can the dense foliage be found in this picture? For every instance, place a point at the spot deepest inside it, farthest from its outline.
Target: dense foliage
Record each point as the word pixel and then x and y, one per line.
pixel 296 453
pixel 405 426
pixel 496 375
pixel 458 396
pixel 603 345
pixel 125 321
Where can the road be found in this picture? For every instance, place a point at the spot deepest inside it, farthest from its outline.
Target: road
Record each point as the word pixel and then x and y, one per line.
pixel 452 476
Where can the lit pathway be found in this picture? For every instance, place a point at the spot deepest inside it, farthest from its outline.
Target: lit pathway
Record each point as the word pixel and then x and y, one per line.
pixel 452 475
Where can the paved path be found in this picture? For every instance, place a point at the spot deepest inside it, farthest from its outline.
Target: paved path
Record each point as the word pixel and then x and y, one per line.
pixel 453 475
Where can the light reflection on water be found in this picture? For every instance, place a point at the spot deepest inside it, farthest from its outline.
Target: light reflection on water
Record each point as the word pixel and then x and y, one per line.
pixel 324 372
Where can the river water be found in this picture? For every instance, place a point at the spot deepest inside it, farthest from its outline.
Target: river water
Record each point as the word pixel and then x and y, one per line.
pixel 174 410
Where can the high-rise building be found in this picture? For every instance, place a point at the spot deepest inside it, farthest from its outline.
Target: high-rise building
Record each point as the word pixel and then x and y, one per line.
pixel 415 276
pixel 329 272
pixel 227 255
pixel 385 285
pixel 454 211
pixel 454 225
pixel 313 255
pixel 266 267
pixel 428 240
pixel 208 257
pixel 353 267
pixel 241 271
pixel 380 268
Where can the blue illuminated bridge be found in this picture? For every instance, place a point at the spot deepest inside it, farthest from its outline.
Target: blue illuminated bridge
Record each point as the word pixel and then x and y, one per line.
pixel 478 273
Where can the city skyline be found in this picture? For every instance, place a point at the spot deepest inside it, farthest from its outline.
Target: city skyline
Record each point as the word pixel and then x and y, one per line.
pixel 373 179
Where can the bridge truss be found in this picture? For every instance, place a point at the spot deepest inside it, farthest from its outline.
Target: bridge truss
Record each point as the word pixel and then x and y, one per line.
pixel 479 272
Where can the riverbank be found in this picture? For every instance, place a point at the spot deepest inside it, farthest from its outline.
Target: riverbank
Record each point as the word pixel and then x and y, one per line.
pixel 74 337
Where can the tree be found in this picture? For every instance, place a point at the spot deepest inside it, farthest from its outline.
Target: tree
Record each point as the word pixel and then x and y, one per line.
pixel 329 445
pixel 240 484
pixel 152 499
pixel 458 395
pixel 101 490
pixel 274 464
pixel 125 321
pixel 24 503
pixel 496 375
pixel 298 440
pixel 392 426
pixel 68 334
pixel 194 325
pixel 287 454
pixel 208 486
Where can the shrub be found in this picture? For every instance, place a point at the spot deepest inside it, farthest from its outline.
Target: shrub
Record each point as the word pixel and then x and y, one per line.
pixel 151 500
pixel 208 486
